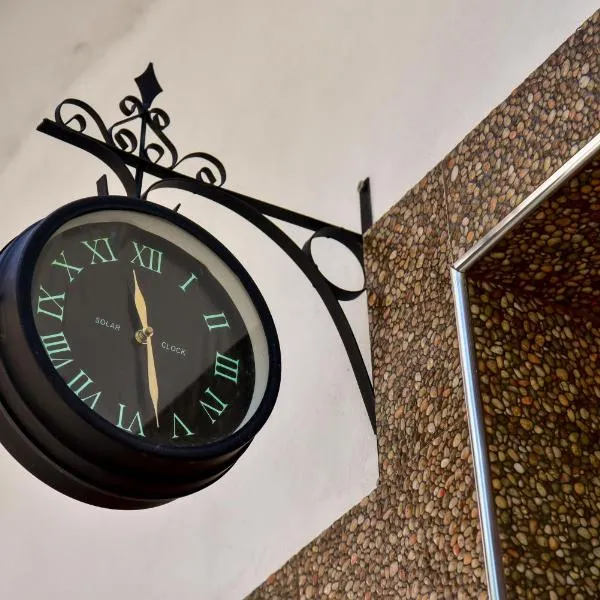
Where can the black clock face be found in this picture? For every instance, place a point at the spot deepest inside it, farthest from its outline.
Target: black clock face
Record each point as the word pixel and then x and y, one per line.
pixel 149 328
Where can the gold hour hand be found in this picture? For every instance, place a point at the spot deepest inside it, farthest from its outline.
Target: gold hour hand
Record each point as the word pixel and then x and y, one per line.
pixel 144 336
pixel 152 380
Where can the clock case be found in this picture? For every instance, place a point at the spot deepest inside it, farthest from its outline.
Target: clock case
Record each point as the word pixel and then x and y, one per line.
pixel 62 441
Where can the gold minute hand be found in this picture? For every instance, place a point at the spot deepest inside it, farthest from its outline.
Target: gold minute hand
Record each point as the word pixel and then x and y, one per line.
pixel 140 303
pixel 146 336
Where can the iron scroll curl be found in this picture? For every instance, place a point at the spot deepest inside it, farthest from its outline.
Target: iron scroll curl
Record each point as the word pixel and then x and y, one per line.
pixel 120 136
pixel 347 239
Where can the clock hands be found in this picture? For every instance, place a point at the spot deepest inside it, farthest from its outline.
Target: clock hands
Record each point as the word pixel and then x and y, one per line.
pixel 144 336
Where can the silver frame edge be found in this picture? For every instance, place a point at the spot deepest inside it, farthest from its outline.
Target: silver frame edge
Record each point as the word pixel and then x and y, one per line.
pixel 492 553
pixel 492 237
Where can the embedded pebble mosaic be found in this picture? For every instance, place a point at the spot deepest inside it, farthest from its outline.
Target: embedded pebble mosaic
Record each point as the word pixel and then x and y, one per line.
pixel 417 535
pixel 555 253
pixel 540 386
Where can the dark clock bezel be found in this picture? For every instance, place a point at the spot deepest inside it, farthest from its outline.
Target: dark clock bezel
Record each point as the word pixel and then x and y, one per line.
pixel 28 261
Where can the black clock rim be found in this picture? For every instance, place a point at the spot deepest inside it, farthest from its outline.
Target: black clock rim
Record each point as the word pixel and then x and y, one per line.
pixel 40 235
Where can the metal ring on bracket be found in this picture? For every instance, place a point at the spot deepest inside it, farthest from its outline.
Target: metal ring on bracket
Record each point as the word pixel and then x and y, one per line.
pixel 351 242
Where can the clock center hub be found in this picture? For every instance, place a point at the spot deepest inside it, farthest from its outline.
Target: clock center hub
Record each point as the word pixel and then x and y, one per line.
pixel 143 335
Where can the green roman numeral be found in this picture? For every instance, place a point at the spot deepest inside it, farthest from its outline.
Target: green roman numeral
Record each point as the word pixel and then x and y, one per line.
pixel 53 306
pixel 178 421
pixel 136 422
pixel 79 383
pixel 213 404
pixel 65 265
pixel 56 343
pixel 104 254
pixel 227 367
pixel 147 257
pixel 216 321
pixel 185 285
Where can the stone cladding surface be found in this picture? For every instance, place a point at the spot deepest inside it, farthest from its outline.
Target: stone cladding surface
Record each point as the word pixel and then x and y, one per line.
pixel 540 388
pixel 417 535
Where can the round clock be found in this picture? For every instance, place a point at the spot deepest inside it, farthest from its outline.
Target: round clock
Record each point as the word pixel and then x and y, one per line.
pixel 138 359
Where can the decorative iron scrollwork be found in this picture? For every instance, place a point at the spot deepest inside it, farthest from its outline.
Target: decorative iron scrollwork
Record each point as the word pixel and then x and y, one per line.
pixel 152 122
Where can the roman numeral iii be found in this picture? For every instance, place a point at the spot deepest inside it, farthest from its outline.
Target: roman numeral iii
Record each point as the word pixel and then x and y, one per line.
pixel 227 367
pixel 147 257
pixel 101 251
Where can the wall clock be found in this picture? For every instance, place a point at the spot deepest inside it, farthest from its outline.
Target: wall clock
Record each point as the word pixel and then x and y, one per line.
pixel 138 359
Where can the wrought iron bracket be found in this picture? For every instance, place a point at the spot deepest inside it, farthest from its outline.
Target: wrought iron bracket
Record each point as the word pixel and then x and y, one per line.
pixel 130 155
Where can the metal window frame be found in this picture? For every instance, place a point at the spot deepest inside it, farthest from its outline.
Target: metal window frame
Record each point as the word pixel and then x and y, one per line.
pixel 485 496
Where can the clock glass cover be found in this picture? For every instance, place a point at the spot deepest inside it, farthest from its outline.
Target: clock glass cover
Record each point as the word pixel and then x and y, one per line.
pixel 150 328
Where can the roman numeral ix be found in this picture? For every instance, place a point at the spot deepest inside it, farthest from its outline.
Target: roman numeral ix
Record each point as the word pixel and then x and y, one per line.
pixel 51 305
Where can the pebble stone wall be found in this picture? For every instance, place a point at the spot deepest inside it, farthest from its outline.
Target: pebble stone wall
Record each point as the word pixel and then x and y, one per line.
pixel 540 387
pixel 555 254
pixel 417 535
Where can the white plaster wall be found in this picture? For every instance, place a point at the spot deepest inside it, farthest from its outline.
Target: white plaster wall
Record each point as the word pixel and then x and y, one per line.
pixel 300 101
